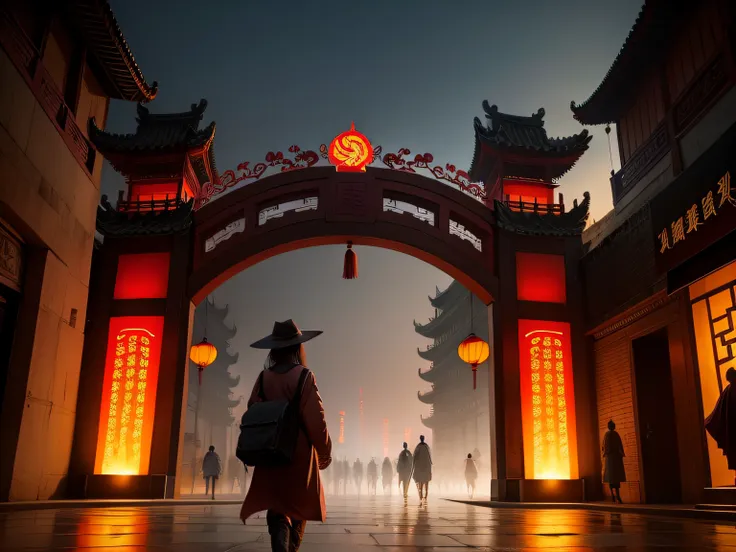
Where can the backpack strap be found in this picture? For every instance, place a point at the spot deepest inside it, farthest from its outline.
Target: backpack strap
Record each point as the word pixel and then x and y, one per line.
pixel 299 387
pixel 261 393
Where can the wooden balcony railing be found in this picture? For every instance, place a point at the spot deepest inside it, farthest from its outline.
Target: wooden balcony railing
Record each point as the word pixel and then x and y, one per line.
pixel 146 205
pixel 27 60
pixel 534 207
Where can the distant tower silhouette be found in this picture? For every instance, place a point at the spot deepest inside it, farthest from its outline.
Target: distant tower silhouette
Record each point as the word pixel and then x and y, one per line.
pixel 385 437
pixel 341 438
pixel 361 445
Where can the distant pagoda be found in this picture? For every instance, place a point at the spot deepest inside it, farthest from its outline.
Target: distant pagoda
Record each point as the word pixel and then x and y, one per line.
pixel 459 417
pixel 217 401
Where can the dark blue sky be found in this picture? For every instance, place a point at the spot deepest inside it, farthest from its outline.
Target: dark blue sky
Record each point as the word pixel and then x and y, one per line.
pixel 411 74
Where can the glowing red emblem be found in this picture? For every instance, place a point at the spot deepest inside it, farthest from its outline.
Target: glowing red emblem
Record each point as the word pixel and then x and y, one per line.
pixel 350 151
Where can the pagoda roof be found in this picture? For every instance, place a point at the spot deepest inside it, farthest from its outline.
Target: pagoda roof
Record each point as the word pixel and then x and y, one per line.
pixel 442 323
pixel 644 48
pixel 429 421
pixel 524 140
pixel 571 223
pixel 111 222
pixel 102 34
pixel 157 132
pixel 428 375
pixel 449 296
pixel 427 398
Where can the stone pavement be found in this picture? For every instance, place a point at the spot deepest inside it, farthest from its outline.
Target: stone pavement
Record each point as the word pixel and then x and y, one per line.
pixel 359 525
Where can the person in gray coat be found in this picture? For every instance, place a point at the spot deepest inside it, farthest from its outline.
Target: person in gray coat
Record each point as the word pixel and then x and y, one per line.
pixel 211 470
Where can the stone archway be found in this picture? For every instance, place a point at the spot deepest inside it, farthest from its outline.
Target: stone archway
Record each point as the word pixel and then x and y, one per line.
pixel 405 212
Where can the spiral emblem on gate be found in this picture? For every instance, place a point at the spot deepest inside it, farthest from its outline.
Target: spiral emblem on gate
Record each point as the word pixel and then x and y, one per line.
pixel 350 151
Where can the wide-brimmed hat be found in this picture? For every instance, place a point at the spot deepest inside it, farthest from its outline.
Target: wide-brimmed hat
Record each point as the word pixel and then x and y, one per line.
pixel 285 334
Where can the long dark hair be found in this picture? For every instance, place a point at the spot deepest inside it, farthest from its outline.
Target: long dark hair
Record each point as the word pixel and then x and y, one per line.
pixel 287 355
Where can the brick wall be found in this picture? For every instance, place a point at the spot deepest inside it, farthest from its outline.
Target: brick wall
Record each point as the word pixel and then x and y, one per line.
pixel 614 390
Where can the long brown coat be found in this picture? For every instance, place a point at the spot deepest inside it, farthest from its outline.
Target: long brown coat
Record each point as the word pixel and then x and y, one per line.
pixel 294 490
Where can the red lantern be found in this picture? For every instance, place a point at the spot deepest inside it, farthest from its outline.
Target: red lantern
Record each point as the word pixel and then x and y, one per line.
pixel 474 351
pixel 203 354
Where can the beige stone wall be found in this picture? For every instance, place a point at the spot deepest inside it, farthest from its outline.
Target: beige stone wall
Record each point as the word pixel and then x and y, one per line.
pixel 51 202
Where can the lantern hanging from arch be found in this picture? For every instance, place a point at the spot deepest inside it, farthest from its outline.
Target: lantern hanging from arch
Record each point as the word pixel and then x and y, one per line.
pixel 474 351
pixel 203 354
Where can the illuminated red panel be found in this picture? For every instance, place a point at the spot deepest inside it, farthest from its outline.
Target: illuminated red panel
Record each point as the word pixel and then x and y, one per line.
pixel 146 192
pixel 540 277
pixel 528 191
pixel 129 395
pixel 142 276
pixel 547 400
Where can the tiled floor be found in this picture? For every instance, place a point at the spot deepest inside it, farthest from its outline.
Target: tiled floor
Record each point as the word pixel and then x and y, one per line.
pixel 357 525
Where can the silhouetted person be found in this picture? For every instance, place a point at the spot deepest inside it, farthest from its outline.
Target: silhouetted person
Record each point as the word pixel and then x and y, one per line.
pixel 387 475
pixel 422 468
pixel 404 467
pixel 358 473
pixel 211 470
pixel 291 493
pixel 238 473
pixel 471 474
pixel 613 458
pixel 721 424
pixel 372 475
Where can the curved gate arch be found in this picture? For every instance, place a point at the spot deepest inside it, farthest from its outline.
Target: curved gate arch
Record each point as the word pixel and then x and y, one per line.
pixel 395 210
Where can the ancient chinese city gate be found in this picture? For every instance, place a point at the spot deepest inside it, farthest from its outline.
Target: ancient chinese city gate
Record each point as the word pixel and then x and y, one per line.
pixel 171 242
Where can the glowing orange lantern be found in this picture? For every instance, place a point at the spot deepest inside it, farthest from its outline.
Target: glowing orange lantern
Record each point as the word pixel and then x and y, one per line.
pixel 473 350
pixel 350 151
pixel 203 354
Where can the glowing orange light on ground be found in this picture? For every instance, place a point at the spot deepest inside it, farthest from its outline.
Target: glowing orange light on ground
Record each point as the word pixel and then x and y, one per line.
pixel 547 400
pixel 474 351
pixel 341 438
pixel 350 151
pixel 129 395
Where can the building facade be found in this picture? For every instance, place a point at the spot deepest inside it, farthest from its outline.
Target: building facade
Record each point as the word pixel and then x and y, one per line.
pixel 659 271
pixel 459 415
pixel 60 64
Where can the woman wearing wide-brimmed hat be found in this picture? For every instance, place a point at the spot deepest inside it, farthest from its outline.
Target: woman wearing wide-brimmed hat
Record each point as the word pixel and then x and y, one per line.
pixel 292 494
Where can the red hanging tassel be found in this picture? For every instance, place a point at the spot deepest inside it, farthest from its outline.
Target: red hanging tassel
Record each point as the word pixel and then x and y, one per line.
pixel 350 267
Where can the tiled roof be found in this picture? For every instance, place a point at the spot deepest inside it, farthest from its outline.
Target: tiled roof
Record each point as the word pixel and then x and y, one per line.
pixel 111 222
pixel 642 50
pixel 108 46
pixel 571 223
pixel 443 299
pixel 157 132
pixel 525 136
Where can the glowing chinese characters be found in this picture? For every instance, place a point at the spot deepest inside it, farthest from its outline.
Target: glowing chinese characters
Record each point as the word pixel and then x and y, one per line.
pixel 350 151
pixel 697 215
pixel 547 400
pixel 129 395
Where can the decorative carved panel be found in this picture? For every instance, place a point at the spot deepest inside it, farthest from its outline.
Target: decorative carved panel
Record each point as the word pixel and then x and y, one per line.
pixel 402 207
pixel 457 229
pixel 235 227
pixel 640 163
pixel 701 92
pixel 278 211
pixel 351 199
pixel 10 259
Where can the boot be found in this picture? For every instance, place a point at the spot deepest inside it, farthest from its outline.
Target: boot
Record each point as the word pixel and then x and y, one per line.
pixel 280 532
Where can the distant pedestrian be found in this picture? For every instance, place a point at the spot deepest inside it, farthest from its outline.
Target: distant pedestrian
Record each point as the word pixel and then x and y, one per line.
pixel 404 468
pixel 387 475
pixel 211 470
pixel 422 471
pixel 358 474
pixel 613 458
pixel 471 474
pixel 372 475
pixel 292 493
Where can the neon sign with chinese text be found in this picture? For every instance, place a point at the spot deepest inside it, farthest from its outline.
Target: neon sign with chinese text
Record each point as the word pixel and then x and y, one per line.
pixel 129 395
pixel 547 400
pixel 696 215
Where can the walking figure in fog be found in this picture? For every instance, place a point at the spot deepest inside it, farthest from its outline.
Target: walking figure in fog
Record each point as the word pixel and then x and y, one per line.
pixel 422 468
pixel 387 475
pixel 211 470
pixel 291 493
pixel 613 459
pixel 372 475
pixel 404 468
pixel 471 474
pixel 358 473
pixel 721 424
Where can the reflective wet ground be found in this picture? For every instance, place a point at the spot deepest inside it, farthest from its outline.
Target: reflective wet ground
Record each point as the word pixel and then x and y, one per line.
pixel 356 525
